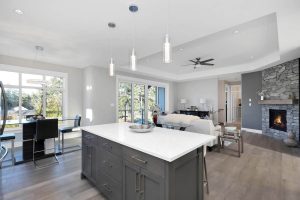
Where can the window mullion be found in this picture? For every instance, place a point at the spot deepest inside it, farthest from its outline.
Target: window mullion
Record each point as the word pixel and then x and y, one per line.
pixel 146 103
pixel 20 98
pixel 44 88
pixel 132 103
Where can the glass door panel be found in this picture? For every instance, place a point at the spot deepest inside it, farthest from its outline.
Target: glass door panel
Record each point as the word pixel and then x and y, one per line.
pixel 124 102
pixel 13 114
pixel 152 101
pixel 139 103
pixel 161 98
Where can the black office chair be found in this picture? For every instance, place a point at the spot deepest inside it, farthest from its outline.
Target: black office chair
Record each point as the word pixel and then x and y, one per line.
pixel 46 129
pixel 68 129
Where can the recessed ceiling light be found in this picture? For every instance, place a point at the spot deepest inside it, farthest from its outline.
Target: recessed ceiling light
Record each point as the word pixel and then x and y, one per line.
pixel 19 12
pixel 181 49
pixel 236 32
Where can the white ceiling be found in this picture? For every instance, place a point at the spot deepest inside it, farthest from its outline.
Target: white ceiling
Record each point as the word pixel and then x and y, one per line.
pixel 75 33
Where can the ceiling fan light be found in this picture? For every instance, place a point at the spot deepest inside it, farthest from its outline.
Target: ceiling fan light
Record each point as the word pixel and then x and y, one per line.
pixel 167 50
pixel 111 67
pixel 133 60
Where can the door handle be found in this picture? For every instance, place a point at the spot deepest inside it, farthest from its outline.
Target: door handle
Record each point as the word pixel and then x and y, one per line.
pixel 139 160
pixel 137 182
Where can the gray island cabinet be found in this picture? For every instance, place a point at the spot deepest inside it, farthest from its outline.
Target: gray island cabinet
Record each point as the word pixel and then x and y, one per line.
pixel 121 172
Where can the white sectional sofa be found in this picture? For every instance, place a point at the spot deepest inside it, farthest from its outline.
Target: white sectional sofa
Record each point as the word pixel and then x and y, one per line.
pixel 195 124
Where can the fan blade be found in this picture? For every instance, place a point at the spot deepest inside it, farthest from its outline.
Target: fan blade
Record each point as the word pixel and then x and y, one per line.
pixel 207 64
pixel 195 62
pixel 204 61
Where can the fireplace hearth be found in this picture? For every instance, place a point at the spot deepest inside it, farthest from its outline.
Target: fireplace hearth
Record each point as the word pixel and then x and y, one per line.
pixel 277 120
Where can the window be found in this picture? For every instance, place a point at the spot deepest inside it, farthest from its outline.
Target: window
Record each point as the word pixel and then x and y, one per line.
pixel 31 94
pixel 137 98
pixel 124 102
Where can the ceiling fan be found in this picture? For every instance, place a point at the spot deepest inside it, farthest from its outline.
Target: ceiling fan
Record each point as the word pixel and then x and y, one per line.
pixel 197 62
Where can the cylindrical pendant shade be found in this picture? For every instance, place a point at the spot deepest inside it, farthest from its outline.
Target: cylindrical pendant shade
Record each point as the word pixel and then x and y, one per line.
pixel 167 50
pixel 133 61
pixel 111 67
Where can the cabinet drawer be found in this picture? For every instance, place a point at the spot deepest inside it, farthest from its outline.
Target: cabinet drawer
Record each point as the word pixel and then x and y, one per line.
pixel 111 165
pixel 111 189
pixel 151 163
pixel 111 147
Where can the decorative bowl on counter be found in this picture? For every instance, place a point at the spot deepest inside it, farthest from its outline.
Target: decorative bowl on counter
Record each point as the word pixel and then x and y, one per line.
pixel 141 128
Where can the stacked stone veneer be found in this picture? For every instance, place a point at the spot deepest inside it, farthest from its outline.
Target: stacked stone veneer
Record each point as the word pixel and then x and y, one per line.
pixel 281 82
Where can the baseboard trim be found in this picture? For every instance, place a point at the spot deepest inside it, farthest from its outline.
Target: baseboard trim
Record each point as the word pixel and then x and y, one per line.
pixel 252 130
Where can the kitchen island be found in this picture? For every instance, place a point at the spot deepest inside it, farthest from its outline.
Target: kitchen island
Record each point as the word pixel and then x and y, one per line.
pixel 164 164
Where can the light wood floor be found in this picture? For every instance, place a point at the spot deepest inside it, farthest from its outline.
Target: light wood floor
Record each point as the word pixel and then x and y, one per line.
pixel 267 170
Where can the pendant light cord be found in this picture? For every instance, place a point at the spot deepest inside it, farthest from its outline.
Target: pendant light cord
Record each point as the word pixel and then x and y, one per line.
pixel 168 15
pixel 133 30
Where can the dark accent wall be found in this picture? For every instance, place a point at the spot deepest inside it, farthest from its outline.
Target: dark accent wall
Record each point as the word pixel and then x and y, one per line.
pixel 251 115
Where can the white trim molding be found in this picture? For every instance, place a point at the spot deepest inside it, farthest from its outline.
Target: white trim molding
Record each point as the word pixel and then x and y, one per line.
pixel 252 130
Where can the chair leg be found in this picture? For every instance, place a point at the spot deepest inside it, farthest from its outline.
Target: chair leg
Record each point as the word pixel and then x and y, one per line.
pixel 33 151
pixel 242 141
pixel 62 143
pixel 205 174
pixel 59 141
pixel 239 147
pixel 219 143
pixel 12 152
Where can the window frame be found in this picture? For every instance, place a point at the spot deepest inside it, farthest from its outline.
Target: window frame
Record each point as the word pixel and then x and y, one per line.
pixel 43 73
pixel 131 80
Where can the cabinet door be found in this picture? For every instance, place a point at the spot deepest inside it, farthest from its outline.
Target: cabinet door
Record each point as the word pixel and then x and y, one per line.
pixel 152 186
pixel 94 161
pixel 86 160
pixel 131 181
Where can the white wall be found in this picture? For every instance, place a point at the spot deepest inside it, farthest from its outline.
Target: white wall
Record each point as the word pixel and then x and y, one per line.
pixel 194 90
pixel 99 95
pixel 101 98
pixel 74 79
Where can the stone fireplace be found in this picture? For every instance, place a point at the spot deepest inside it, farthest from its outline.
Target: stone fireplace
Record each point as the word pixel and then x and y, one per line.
pixel 281 83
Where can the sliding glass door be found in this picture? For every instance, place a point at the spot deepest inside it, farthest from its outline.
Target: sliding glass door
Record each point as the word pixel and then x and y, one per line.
pixel 137 100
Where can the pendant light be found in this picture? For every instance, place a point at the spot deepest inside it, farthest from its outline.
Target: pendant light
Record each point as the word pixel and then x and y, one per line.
pixel 133 9
pixel 111 25
pixel 167 46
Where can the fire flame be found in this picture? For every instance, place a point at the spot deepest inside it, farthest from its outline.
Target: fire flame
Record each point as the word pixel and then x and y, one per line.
pixel 277 120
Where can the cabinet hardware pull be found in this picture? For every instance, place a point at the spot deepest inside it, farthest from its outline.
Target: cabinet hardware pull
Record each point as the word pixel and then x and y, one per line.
pixel 142 185
pixel 137 182
pixel 106 187
pixel 138 159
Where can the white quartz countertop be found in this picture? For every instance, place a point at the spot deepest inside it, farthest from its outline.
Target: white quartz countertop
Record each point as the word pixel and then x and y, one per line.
pixel 166 144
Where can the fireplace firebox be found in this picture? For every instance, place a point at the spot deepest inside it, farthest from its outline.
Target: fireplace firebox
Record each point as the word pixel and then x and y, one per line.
pixel 277 120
